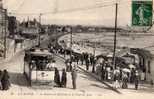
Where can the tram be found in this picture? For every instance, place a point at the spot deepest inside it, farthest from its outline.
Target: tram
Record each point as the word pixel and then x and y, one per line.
pixel 36 67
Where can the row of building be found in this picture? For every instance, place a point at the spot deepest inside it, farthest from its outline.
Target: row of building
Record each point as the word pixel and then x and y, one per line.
pixel 10 27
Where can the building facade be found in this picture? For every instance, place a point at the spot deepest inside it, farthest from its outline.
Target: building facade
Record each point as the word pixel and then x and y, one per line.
pixel 3 29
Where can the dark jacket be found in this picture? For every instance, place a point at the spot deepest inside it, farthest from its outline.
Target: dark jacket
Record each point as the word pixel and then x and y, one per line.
pixel 57 77
pixel 5 80
pixel 64 79
pixel 74 74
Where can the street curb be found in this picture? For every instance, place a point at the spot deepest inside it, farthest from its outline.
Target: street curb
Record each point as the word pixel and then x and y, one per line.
pixel 97 78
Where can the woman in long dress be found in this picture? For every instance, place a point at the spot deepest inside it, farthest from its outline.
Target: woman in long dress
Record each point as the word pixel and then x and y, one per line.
pixel 124 81
pixel 5 80
pixel 57 77
pixel 64 79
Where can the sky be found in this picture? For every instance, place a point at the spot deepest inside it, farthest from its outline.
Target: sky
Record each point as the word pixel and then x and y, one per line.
pixel 101 12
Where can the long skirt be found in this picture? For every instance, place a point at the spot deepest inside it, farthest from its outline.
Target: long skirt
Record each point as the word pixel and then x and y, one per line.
pixel 5 85
pixel 116 84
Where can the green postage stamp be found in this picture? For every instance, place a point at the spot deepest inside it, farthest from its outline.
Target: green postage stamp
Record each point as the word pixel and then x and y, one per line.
pixel 142 13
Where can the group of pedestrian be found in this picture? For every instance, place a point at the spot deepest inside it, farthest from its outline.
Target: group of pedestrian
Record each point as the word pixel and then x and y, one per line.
pixel 88 59
pixel 119 77
pixel 60 81
pixel 104 70
pixel 4 80
pixel 84 58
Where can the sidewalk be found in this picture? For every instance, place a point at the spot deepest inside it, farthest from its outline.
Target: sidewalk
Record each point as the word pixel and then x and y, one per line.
pixel 83 68
pixel 142 86
pixel 26 45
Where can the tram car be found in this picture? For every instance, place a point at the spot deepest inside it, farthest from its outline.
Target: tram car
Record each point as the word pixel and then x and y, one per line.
pixel 36 67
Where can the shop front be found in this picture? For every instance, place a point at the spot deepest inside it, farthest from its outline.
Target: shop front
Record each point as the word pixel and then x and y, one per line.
pixel 146 62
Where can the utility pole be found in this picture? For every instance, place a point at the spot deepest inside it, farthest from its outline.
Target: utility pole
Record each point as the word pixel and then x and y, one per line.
pixel 5 32
pixel 94 52
pixel 71 40
pixel 39 30
pixel 115 37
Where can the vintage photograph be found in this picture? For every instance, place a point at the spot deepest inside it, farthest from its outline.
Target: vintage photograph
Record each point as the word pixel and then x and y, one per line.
pixel 101 49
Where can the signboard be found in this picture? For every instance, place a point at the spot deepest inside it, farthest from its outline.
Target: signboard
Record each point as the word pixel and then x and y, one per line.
pixel 42 76
pixel 142 12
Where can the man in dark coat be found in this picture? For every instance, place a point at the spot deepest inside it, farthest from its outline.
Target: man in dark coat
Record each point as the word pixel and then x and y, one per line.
pixel 92 59
pixel 87 64
pixel 77 59
pixel 5 80
pixel 57 77
pixel 103 73
pixel 86 56
pixel 82 58
pixel 74 77
pixel 64 78
pixel 132 75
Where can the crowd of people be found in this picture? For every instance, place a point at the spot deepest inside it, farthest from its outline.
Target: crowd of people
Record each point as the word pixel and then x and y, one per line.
pixel 103 68
pixel 4 80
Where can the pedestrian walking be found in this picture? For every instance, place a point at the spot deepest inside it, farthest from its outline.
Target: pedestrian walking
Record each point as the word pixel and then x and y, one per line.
pixel 74 78
pixel 64 78
pixel 77 59
pixel 82 58
pixel 136 80
pixel 116 78
pixel 124 81
pixel 103 73
pixel 5 80
pixel 68 63
pixel 57 77
pixel 87 64
pixel 132 76
pixel 91 59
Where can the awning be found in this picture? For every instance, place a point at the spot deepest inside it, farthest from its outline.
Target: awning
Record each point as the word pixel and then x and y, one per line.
pixel 141 52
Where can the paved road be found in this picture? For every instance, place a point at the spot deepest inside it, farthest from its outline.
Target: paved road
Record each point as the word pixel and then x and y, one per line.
pixel 85 83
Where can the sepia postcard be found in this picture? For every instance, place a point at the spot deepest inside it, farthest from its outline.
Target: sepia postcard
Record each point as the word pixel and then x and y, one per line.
pixel 94 49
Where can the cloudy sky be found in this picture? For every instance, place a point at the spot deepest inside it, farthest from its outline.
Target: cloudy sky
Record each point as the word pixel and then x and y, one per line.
pixel 93 12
